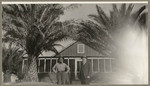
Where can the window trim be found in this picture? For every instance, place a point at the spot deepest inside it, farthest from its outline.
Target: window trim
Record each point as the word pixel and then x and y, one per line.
pixel 78 49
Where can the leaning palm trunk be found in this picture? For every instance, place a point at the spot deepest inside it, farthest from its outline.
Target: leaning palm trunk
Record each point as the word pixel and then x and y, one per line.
pixel 31 75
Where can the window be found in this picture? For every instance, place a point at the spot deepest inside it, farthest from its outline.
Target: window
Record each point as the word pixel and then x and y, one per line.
pixel 66 61
pixel 80 48
pixel 54 61
pixel 95 65
pixel 45 65
pixel 48 65
pixel 105 65
pixel 108 65
pixel 101 65
pixel 41 67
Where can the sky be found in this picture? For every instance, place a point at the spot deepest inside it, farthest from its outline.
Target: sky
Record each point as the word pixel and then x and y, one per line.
pixel 83 10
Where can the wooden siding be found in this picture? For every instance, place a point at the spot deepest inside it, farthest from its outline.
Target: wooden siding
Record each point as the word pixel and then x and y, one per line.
pixel 72 51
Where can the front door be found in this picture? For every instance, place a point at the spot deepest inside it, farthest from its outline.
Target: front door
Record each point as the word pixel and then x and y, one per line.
pixel 77 67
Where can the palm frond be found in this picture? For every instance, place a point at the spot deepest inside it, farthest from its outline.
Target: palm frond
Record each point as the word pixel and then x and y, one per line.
pixel 136 14
pixel 103 16
pixel 129 10
pixel 143 20
pixel 123 10
pixel 11 56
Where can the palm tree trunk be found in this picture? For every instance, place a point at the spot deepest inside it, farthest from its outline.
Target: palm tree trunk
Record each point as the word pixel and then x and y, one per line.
pixel 31 75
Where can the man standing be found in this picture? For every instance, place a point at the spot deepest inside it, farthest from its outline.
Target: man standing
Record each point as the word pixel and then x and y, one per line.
pixel 62 70
pixel 85 71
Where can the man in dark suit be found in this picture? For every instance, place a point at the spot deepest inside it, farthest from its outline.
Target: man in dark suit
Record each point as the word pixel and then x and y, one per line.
pixel 85 71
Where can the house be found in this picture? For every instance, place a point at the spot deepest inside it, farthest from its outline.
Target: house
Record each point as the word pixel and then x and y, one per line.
pixel 72 57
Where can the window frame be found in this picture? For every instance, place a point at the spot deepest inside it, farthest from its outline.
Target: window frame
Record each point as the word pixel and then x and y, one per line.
pixel 78 48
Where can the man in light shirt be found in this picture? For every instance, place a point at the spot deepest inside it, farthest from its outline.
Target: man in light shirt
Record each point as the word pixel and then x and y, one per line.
pixel 62 70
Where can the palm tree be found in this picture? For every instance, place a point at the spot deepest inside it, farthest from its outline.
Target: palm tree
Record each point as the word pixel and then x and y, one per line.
pixel 103 29
pixel 12 58
pixel 35 28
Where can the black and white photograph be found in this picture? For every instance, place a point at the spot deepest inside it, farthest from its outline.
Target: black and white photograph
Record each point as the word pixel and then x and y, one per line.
pixel 74 43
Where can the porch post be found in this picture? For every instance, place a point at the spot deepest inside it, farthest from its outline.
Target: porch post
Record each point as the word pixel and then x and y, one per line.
pixel 92 64
pixel 39 66
pixel 98 66
pixel 68 62
pixel 22 65
pixel 50 65
pixel 104 66
pixel 110 66
pixel 45 65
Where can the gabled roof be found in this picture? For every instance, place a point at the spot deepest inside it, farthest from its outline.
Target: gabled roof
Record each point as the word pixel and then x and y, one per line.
pixel 72 51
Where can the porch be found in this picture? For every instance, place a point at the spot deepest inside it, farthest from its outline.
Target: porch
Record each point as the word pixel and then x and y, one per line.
pixel 101 67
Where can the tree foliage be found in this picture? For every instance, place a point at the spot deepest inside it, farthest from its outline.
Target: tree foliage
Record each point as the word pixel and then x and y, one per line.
pixel 11 58
pixel 102 30
pixel 34 27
